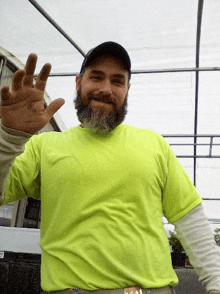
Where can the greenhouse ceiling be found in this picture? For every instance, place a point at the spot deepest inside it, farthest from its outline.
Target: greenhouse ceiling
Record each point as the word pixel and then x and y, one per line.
pixel 159 35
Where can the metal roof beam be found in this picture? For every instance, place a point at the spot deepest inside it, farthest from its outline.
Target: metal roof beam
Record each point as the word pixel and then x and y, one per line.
pixel 149 71
pixel 198 35
pixel 47 16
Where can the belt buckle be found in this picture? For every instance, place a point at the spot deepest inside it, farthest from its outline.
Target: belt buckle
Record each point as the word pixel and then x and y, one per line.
pixel 133 290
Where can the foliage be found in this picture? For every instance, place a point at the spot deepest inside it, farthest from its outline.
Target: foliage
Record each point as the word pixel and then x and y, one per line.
pixel 175 243
pixel 217 236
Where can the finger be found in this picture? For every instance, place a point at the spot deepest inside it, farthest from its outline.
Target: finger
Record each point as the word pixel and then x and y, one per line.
pixel 42 77
pixel 30 68
pixel 5 94
pixel 54 106
pixel 17 80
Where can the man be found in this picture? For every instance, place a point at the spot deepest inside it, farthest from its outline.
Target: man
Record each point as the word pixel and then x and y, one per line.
pixel 104 186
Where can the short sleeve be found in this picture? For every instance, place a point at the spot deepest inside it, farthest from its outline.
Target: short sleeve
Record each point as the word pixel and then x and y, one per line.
pixel 179 193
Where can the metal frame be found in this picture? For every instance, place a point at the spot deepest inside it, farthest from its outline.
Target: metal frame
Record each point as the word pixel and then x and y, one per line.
pixel 198 35
pixel 149 71
pixel 197 69
pixel 49 18
pixel 210 144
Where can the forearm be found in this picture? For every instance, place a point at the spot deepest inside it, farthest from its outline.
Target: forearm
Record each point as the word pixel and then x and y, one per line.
pixel 11 145
pixel 195 234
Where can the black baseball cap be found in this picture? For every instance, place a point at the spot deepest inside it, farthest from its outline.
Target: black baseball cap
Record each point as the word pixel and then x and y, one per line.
pixel 110 48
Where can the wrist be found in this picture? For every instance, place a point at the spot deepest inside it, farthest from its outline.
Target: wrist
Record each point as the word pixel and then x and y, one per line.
pixel 15 132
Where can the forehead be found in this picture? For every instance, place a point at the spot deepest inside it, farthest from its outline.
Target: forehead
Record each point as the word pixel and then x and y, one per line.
pixel 109 63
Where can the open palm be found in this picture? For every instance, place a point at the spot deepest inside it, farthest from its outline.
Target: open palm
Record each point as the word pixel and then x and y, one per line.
pixel 23 108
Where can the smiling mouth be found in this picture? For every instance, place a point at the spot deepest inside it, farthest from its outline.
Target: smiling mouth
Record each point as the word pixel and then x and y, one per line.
pixel 107 99
pixel 103 106
pixel 101 101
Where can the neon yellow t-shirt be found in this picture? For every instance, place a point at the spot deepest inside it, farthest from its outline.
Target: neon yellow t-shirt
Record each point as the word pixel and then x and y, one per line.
pixel 102 202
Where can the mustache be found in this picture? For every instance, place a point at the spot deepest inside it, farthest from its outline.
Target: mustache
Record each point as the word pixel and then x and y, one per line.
pixel 102 98
pixel 97 122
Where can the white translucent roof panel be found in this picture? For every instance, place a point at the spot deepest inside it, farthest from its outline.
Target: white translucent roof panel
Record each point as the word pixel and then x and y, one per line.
pixel 156 33
pixel 166 101
pixel 208 174
pixel 25 30
pixel 209 103
pixel 210 34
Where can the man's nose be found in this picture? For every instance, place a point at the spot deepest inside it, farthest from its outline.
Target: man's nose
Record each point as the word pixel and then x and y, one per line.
pixel 105 87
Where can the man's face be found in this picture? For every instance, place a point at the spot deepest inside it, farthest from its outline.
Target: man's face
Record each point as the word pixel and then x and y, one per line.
pixel 102 93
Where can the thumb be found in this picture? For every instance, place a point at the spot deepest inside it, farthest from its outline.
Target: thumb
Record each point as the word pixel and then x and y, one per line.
pixel 54 106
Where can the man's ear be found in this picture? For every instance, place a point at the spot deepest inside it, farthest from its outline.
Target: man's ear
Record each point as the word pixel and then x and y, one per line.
pixel 128 88
pixel 78 82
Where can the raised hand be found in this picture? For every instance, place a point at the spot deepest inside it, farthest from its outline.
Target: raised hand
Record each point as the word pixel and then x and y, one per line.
pixel 23 108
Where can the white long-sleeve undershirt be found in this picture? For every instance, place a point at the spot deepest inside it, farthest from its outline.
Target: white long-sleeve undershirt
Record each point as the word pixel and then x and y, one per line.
pixel 11 145
pixel 195 234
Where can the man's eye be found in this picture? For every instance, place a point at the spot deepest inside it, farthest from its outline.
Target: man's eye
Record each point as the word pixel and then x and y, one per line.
pixel 96 78
pixel 118 82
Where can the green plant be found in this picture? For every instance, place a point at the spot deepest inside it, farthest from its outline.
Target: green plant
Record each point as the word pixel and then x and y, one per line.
pixel 175 243
pixel 217 236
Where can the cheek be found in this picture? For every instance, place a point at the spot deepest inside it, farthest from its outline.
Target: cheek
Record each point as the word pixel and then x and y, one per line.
pixel 121 98
pixel 88 88
pixel 84 92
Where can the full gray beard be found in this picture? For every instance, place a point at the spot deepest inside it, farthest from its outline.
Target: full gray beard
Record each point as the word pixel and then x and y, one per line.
pixel 96 120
